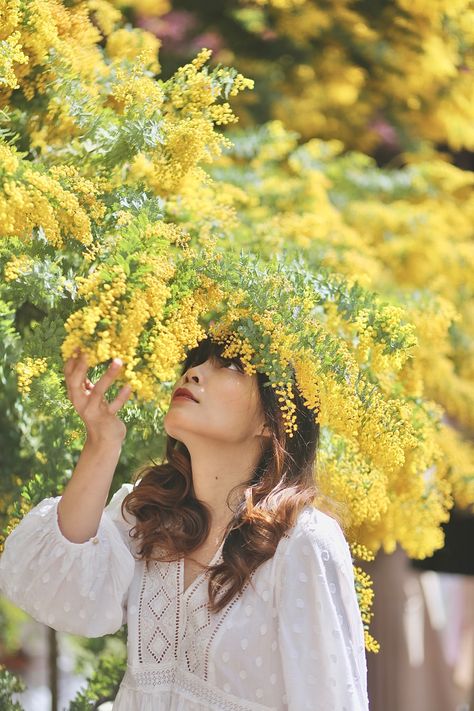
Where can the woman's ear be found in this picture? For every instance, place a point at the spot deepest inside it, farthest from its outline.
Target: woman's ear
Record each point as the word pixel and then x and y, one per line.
pixel 265 431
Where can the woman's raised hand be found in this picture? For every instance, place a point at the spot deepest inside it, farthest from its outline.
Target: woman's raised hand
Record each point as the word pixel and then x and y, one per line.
pixel 99 415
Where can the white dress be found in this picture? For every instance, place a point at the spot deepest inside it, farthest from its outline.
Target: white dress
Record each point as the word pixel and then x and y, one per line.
pixel 292 640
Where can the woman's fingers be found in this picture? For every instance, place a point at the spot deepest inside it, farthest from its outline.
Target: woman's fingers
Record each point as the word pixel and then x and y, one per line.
pixel 78 373
pixel 121 398
pixel 74 372
pixel 80 386
pixel 69 366
pixel 71 362
pixel 107 379
pixel 88 386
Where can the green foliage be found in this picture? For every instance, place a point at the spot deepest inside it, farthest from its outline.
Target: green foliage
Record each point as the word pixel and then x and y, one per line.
pixel 103 684
pixel 10 684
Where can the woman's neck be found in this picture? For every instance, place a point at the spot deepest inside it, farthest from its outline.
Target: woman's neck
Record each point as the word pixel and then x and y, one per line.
pixel 217 469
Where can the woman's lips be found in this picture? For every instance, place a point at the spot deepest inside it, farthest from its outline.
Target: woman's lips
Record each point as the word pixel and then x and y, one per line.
pixel 183 397
pixel 184 393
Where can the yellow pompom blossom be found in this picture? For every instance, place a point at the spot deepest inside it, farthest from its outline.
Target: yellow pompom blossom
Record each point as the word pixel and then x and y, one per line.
pixel 89 192
pixel 344 474
pixel 46 25
pixel 10 54
pixel 132 43
pixel 13 521
pixel 105 15
pixel 188 142
pixel 28 369
pixel 365 596
pixel 392 73
pixel 17 266
pixel 36 200
pixel 112 324
pixel 132 88
pixel 436 323
pixel 193 90
pixel 457 465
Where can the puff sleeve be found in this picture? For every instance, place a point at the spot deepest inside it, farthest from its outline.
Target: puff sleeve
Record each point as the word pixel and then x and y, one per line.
pixel 320 631
pixel 80 588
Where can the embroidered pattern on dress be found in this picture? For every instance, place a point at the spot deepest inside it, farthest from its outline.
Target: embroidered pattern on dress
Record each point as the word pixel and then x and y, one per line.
pixel 158 625
pixel 174 677
pixel 159 619
pixel 195 637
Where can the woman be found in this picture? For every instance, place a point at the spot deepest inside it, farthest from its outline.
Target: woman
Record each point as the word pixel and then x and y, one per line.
pixel 238 593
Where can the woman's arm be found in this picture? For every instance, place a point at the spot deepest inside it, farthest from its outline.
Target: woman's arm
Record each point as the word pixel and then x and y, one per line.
pixel 321 637
pixel 80 588
pixel 68 562
pixel 85 495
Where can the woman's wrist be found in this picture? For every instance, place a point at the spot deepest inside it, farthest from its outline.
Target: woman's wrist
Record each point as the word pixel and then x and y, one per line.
pixel 103 442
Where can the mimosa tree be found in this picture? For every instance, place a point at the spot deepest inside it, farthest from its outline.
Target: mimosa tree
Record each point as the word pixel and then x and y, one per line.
pixel 132 225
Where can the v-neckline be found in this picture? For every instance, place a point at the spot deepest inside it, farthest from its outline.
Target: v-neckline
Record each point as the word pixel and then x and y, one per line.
pixel 199 577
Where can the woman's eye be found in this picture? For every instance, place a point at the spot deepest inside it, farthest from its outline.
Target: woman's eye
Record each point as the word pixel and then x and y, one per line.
pixel 227 363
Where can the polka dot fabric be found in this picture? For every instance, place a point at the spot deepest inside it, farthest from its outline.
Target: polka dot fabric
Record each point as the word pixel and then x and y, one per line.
pixel 291 640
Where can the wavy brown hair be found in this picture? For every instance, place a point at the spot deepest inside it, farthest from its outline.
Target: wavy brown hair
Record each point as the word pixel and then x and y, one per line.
pixel 169 516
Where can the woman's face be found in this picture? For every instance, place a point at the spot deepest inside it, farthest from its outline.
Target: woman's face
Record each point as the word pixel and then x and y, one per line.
pixel 228 409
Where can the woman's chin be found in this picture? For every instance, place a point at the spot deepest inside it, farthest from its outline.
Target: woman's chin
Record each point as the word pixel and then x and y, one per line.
pixel 173 425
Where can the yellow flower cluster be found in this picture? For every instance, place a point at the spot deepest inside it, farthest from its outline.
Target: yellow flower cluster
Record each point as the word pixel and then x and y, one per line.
pixel 105 15
pixel 17 266
pixel 10 54
pixel 129 43
pixel 222 114
pixel 235 346
pixel 116 318
pixel 204 208
pixel 413 57
pixel 188 142
pixel 28 369
pixel 456 466
pixel 116 166
pixel 344 474
pixel 131 88
pixel 365 596
pixel 411 350
pixel 13 521
pixel 46 25
pixel 190 111
pixel 195 90
pixel 88 192
pixel 30 199
pixel 361 552
pixel 132 323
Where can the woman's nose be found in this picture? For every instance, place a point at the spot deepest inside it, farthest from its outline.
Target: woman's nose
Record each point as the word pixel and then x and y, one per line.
pixel 192 377
pixel 191 374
